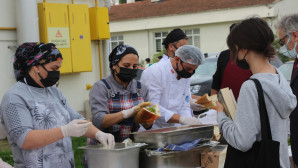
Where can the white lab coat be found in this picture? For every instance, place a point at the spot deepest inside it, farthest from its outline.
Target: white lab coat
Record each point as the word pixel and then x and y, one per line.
pixel 164 58
pixel 171 94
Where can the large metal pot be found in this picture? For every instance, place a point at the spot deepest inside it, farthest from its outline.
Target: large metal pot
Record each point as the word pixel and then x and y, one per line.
pixel 121 156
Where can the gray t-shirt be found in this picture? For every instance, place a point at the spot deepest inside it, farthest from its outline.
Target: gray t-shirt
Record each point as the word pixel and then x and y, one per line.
pixel 25 108
pixel 245 130
pixel 99 97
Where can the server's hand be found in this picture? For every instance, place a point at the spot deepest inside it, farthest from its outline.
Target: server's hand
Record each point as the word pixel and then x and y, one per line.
pixel 132 111
pixel 189 121
pixel 106 139
pixel 75 128
pixel 196 107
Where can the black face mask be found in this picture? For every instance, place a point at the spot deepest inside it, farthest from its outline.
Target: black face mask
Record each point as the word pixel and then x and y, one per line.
pixel 242 63
pixel 183 73
pixel 51 79
pixel 126 74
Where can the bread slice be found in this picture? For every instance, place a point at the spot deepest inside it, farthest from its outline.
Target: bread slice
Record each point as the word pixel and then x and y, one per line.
pixel 208 101
pixel 203 99
pixel 147 115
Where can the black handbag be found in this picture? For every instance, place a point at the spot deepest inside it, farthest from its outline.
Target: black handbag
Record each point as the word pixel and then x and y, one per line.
pixel 263 154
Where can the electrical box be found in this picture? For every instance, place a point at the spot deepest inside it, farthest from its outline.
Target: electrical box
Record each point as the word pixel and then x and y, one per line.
pixel 99 23
pixel 54 28
pixel 68 27
pixel 80 37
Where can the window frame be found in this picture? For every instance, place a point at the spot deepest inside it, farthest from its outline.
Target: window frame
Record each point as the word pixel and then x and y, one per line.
pixel 163 35
pixel 118 40
pixel 193 35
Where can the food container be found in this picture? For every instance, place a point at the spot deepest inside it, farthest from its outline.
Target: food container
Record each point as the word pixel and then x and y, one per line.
pixel 176 159
pixel 174 135
pixel 120 156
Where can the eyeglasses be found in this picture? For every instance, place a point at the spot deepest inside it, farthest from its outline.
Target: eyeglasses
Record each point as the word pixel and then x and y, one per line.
pixel 281 41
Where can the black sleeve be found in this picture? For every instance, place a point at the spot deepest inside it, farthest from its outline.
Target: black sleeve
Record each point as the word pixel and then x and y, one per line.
pixel 222 61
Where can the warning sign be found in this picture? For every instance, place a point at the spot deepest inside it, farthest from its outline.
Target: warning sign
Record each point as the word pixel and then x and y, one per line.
pixel 59 36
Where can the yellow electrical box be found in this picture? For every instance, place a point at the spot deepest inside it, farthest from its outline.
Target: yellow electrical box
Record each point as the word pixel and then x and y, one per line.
pixel 99 23
pixel 80 37
pixel 54 28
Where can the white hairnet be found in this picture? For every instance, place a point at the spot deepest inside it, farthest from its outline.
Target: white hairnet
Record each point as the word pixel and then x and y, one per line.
pixel 190 54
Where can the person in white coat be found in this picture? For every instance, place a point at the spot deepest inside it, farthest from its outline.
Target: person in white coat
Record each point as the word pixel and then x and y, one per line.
pixel 168 83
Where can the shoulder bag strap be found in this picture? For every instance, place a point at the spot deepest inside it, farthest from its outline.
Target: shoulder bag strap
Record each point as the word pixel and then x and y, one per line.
pixel 265 125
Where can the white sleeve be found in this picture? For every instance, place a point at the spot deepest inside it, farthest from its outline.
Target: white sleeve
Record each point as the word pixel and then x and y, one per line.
pixel 153 81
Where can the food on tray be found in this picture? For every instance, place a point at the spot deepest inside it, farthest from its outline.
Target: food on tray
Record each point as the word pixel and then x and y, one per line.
pixel 208 101
pixel 148 114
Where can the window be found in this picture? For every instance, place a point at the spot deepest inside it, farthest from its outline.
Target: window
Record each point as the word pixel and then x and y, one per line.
pixel 193 36
pixel 159 37
pixel 116 40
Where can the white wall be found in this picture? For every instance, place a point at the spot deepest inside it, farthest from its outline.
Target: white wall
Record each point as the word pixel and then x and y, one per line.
pixel 213 37
pixel 283 8
pixel 207 17
pixel 214 25
pixel 73 86
pixel 139 40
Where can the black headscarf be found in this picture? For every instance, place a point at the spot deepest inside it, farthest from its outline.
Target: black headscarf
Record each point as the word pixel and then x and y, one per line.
pixel 31 54
pixel 175 35
pixel 120 51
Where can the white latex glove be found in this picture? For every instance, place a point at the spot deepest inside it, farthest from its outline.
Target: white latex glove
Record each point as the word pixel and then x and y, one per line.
pixel 129 112
pixel 189 121
pixel 106 139
pixel 194 106
pixel 132 111
pixel 75 129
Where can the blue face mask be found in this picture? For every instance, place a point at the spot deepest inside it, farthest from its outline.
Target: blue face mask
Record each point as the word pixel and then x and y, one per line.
pixel 292 53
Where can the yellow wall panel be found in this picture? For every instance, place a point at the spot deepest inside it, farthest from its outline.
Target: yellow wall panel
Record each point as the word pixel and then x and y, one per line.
pixel 99 23
pixel 54 27
pixel 80 37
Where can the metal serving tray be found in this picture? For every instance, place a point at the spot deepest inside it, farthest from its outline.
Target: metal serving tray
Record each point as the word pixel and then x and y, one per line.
pixel 173 135
pixel 120 156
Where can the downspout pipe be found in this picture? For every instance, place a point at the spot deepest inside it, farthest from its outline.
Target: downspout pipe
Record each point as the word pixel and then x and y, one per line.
pixel 27 21
pixel 104 45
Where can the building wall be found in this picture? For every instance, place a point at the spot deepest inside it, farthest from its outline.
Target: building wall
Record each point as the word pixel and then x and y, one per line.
pixel 214 25
pixel 72 85
pixel 212 38
pixel 139 40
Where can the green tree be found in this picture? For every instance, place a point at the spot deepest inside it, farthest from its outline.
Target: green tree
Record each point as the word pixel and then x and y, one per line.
pixel 122 1
pixel 156 55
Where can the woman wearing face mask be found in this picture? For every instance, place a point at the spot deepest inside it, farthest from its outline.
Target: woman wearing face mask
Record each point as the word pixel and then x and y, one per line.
pixel 115 99
pixel 250 43
pixel 36 115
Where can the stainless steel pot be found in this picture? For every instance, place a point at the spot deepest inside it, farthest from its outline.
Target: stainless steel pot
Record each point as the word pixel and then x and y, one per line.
pixel 120 157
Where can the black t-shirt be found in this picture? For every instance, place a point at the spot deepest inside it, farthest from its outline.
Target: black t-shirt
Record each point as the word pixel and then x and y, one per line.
pixel 222 62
